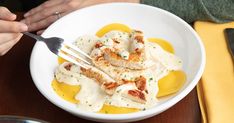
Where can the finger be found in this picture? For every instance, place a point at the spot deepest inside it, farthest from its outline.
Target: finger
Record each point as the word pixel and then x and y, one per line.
pixel 40 32
pixel 6 37
pixel 43 6
pixel 4 48
pixel 14 42
pixel 6 14
pixel 43 23
pixel 44 14
pixel 12 26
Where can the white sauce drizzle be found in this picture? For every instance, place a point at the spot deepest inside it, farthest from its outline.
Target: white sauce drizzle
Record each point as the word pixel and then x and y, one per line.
pixel 91 96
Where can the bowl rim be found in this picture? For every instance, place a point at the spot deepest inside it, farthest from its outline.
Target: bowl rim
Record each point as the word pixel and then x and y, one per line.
pixel 17 118
pixel 149 112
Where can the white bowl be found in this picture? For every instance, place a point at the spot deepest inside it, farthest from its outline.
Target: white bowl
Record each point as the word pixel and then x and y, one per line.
pixel 154 22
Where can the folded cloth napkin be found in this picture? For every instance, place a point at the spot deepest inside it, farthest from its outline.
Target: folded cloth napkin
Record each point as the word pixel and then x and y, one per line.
pixel 216 87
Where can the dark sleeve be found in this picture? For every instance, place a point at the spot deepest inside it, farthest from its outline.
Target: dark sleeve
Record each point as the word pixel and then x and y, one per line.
pixel 29 4
pixel 218 11
pixel 20 5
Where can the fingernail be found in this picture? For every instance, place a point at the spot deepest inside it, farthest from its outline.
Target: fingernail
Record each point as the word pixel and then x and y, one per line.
pixel 24 27
pixel 40 32
pixel 23 21
pixel 26 14
pixel 13 16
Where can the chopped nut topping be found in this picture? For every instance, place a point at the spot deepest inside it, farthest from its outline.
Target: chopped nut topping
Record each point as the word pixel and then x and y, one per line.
pixel 141 83
pixel 98 44
pixel 110 85
pixel 135 95
pixel 138 31
pixel 140 39
pixel 68 66
pixel 115 40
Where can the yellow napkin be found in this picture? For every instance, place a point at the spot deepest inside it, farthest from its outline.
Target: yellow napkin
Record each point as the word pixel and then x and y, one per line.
pixel 216 88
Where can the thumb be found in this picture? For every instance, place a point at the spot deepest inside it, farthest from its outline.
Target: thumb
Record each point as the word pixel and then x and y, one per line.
pixel 5 14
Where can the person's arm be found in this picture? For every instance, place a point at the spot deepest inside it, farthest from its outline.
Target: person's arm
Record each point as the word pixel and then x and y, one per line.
pixel 42 16
pixel 218 11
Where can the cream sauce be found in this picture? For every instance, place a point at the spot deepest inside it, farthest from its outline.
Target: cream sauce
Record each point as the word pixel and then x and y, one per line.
pixel 91 97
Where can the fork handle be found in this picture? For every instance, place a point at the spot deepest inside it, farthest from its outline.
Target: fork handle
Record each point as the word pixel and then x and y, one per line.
pixel 37 37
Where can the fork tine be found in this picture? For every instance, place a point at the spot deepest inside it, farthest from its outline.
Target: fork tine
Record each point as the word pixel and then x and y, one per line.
pixel 66 50
pixel 64 56
pixel 77 50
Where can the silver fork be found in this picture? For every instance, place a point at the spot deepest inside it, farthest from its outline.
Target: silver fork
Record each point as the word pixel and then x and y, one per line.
pixel 64 50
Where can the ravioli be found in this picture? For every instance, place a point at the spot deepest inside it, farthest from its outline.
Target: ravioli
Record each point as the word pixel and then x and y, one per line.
pixel 141 71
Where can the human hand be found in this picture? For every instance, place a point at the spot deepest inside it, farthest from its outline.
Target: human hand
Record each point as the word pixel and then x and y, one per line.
pixel 10 30
pixel 41 17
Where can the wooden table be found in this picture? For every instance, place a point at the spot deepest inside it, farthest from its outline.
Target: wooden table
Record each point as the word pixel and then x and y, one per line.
pixel 19 95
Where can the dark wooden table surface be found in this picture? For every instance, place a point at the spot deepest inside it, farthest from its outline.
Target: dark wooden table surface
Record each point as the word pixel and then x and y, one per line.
pixel 19 96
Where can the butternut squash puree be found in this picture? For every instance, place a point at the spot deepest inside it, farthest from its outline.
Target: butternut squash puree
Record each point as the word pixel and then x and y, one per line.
pixel 108 109
pixel 67 92
pixel 61 60
pixel 111 27
pixel 171 83
pixel 164 44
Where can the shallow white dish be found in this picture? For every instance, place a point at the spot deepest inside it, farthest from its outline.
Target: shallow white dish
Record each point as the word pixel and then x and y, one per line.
pixel 154 22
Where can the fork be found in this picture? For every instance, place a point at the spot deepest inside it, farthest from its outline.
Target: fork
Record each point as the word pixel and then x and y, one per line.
pixel 64 50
